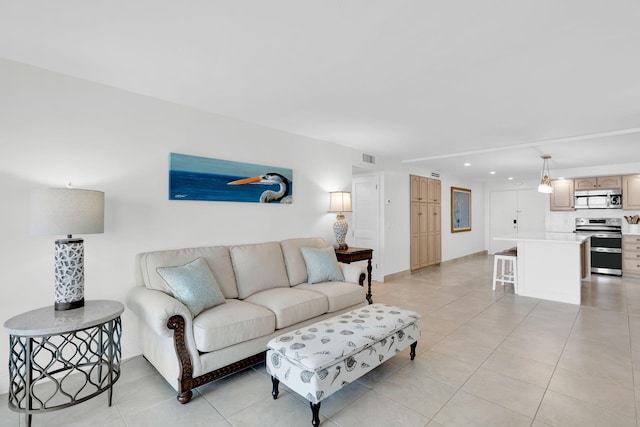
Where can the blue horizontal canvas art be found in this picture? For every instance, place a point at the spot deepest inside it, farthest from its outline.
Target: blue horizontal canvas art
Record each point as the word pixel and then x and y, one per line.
pixel 202 178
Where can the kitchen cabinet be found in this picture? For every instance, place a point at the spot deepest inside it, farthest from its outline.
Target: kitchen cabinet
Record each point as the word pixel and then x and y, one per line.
pixel 631 255
pixel 550 265
pixel 434 233
pixel 600 182
pixel 562 197
pixel 425 222
pixel 433 191
pixel 631 192
pixel 419 188
pixel 584 260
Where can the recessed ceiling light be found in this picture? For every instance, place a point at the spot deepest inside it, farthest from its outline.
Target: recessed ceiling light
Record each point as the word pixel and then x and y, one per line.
pixel 510 178
pixel 467 164
pixel 561 177
pixel 492 172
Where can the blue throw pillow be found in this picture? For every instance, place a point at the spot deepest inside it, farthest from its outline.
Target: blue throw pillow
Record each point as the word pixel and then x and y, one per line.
pixel 193 285
pixel 322 265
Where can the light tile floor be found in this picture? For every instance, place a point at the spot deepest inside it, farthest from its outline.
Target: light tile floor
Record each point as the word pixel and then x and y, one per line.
pixel 485 359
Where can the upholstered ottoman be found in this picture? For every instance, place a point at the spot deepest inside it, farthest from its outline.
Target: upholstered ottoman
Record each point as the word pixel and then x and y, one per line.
pixel 320 359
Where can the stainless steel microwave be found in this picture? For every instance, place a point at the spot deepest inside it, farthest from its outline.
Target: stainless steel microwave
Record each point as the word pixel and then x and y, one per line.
pixel 598 199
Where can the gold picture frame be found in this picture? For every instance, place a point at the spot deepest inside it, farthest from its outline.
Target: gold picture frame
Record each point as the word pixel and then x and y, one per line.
pixel 460 209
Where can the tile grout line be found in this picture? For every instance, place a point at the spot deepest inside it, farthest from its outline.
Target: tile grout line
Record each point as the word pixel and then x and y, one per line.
pixel 371 389
pixel 556 365
pixel 484 361
pixel 633 365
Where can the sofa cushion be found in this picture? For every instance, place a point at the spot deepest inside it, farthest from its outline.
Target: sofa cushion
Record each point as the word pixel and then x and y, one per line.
pixel 216 256
pixel 296 267
pixel 258 267
pixel 231 323
pixel 339 294
pixel 193 285
pixel 322 265
pixel 291 305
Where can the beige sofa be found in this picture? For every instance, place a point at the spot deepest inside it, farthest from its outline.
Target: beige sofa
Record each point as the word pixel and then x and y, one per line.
pixel 265 294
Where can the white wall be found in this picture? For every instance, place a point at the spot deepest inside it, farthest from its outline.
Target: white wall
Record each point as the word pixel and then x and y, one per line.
pixel 395 247
pixel 56 129
pixel 455 245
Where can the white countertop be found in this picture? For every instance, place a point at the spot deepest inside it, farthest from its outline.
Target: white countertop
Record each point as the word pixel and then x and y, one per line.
pixel 555 237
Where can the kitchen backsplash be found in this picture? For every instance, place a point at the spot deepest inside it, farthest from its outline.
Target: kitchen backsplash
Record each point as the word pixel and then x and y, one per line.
pixel 565 221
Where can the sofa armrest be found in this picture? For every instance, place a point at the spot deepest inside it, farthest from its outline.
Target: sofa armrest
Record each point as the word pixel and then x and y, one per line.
pixel 352 273
pixel 155 308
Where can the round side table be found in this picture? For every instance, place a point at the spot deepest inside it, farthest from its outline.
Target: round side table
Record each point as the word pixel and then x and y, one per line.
pixel 60 358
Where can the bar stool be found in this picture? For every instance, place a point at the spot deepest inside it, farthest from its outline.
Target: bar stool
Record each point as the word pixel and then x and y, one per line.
pixel 508 271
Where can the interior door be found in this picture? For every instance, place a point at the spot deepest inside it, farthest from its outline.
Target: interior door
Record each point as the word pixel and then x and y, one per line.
pixel 514 212
pixel 365 216
pixel 503 218
pixel 531 211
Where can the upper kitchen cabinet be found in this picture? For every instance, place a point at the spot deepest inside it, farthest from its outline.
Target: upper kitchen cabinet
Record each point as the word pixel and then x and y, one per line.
pixel 434 190
pixel 419 188
pixel 415 188
pixel 631 192
pixel 562 197
pixel 598 182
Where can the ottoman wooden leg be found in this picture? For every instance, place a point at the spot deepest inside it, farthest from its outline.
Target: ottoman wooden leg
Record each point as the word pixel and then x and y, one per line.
pixel 412 353
pixel 315 411
pixel 274 390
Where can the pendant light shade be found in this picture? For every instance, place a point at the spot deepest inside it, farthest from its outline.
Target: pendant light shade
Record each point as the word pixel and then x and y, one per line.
pixel 545 180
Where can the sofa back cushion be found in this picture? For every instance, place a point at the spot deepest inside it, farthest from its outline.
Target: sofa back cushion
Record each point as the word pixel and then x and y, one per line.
pixel 217 258
pixel 258 267
pixel 296 267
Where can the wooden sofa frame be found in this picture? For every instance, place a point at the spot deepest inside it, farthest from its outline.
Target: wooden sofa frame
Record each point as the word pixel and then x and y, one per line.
pixel 186 381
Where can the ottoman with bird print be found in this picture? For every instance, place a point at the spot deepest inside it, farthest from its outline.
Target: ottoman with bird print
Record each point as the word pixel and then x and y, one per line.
pixel 320 359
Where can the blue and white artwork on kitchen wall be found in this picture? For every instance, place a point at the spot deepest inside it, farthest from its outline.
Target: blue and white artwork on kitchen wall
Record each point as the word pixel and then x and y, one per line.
pixel 202 178
pixel 460 209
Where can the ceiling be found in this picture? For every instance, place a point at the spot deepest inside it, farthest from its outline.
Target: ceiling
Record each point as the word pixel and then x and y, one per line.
pixel 433 83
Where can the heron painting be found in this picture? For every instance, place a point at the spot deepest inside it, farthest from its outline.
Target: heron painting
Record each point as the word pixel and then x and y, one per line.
pixel 202 178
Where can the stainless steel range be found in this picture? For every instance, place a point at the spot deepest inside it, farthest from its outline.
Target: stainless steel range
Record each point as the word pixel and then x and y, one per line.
pixel 606 243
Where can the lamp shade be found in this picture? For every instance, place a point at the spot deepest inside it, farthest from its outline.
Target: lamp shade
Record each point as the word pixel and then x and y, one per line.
pixel 339 201
pixel 66 211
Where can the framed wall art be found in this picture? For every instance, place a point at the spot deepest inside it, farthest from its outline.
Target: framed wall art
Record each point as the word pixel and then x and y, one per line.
pixel 203 178
pixel 460 209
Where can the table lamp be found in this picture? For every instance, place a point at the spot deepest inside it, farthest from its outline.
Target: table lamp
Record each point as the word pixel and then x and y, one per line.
pixel 67 211
pixel 340 202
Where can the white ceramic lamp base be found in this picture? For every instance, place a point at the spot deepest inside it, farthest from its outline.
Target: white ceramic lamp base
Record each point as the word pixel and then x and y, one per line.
pixel 340 229
pixel 69 274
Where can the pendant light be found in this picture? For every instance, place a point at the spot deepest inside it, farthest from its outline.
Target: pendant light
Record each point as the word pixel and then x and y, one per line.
pixel 545 181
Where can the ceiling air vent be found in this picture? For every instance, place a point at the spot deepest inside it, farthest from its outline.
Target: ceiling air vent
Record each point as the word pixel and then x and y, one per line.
pixel 368 158
pixel 435 175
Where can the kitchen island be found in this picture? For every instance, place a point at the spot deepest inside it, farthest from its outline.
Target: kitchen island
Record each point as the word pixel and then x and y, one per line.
pixel 551 266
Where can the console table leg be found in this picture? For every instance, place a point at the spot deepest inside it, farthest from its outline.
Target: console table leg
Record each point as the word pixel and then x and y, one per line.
pixel 27 386
pixel 369 269
pixel 274 390
pixel 315 411
pixel 412 353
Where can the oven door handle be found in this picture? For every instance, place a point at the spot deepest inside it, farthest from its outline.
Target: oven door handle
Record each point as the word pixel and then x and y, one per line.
pixel 607 250
pixel 611 236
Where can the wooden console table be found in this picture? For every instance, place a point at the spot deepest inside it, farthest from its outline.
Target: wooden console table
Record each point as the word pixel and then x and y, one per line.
pixel 358 254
